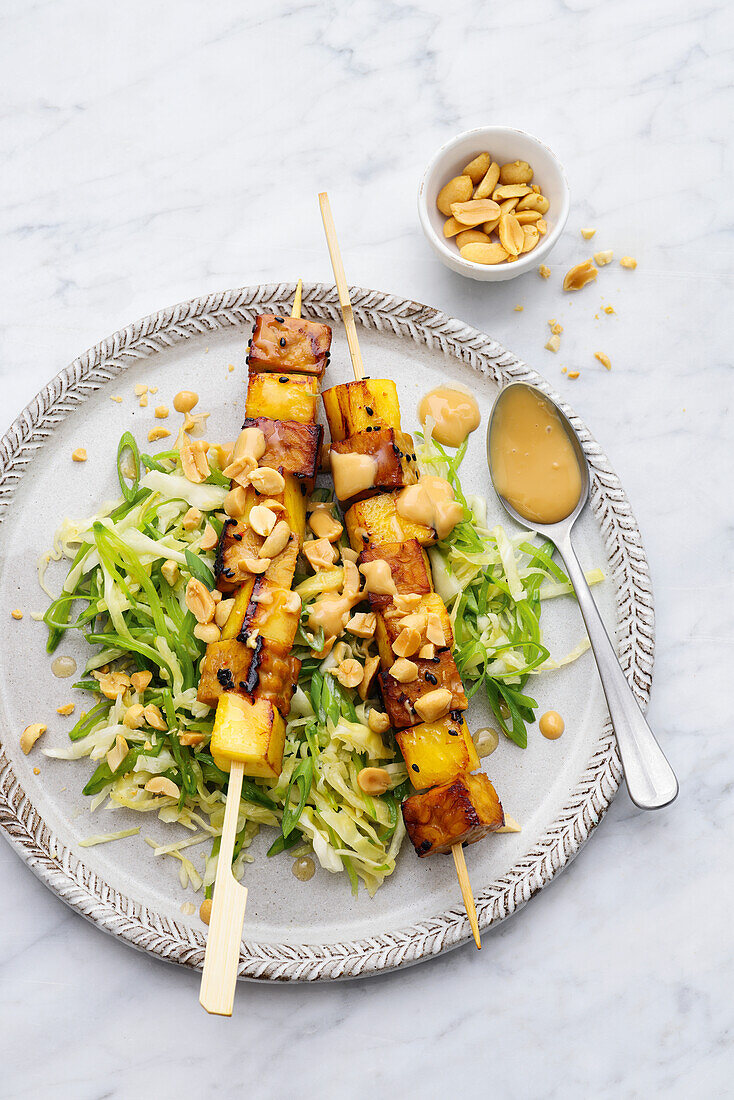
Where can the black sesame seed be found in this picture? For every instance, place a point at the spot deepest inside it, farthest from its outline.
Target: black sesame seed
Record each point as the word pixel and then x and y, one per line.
pixel 365 538
pixel 279 320
pixel 238 538
pixel 303 490
pixel 436 660
pixel 228 572
pixel 226 679
pixel 456 715
pixel 283 378
pixel 415 767
pixel 453 733
pixel 425 845
pixel 370 411
pixel 368 429
pixel 282 341
pixel 431 678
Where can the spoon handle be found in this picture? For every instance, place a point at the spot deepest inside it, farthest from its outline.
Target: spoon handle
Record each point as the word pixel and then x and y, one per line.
pixel 651 781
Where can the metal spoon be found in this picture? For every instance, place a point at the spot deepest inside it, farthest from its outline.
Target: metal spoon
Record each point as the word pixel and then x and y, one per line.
pixel 651 781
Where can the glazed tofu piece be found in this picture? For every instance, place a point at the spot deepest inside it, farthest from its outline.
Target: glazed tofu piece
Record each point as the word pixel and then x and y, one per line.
pixel 290 447
pixel 375 520
pixel 283 397
pixel 435 752
pixel 459 812
pixel 409 567
pixel 289 344
pixel 393 457
pixel 250 730
pixel 266 671
pixel 356 406
pixel 391 623
pixel 433 673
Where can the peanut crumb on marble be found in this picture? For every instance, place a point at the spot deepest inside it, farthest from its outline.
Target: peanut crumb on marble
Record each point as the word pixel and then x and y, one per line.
pixel 17 613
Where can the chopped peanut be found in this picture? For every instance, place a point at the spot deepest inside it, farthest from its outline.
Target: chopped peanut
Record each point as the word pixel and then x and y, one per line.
pixel 349 673
pixel 157 433
pixel 323 525
pixel 377 721
pixel 161 412
pixel 192 519
pixel 574 373
pixel 67 708
pixel 222 612
pixel 79 455
pixel 587 234
pixel 160 784
pixel 363 624
pixel 170 571
pixel 207 632
pixel 209 539
pixel 603 359
pixel 374 781
pixel 404 671
pixel 199 601
pixel 319 553
pixel 30 735
pixel 154 718
pixel 544 271
pixel 141 680
pixel 140 389
pixel 629 262
pixel 433 704
pixel 16 613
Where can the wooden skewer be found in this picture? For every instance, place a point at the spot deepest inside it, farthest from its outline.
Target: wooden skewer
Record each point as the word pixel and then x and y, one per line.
pixel 345 302
pixel 219 979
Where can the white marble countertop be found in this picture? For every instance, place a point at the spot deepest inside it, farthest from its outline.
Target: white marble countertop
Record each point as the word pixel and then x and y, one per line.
pixel 155 152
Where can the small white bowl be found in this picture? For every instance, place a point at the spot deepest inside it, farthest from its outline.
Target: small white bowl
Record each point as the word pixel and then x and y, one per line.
pixel 505 145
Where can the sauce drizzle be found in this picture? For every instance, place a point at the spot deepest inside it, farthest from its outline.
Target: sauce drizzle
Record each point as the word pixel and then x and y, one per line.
pixel 454 412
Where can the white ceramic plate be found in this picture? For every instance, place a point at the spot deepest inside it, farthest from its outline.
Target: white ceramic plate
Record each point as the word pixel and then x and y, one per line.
pixel 316 930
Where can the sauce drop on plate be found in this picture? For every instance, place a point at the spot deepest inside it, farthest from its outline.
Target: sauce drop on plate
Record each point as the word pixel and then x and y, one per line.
pixel 552 725
pixel 454 412
pixel 185 400
pixel 63 667
pixel 534 464
pixel 303 868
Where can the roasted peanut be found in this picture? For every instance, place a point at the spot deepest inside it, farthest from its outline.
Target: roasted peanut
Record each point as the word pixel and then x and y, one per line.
pixel 484 253
pixel 374 781
pixel 579 275
pixel 451 227
pixel 628 262
pixel 602 258
pixel 170 571
pixel 377 721
pixel 349 673
pixel 519 171
pixel 133 717
pixel 160 784
pixel 471 236
pixel 526 217
pixel 141 680
pixel 199 601
pixel 488 183
pixel 154 718
pixel 266 480
pixel 476 168
pixel 319 553
pixel 262 520
pixel 363 624
pixel 404 671
pixel 510 191
pixel 407 643
pixel 324 526
pixel 209 539
pixel 458 189
pixel 207 632
pixel 474 212
pixel 531 236
pixel 222 612
pixel 276 541
pixel 235 502
pixel 534 202
pixel 511 235
pixel 30 735
pixel 433 704
pixel 191 519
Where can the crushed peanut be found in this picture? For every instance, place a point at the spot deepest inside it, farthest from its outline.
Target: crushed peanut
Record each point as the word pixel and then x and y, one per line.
pixel 324 526
pixel 170 571
pixel 160 784
pixel 154 718
pixel 319 553
pixel 140 389
pixel 555 327
pixel 587 234
pixel 371 668
pixel 519 309
pixel 143 402
pixel 603 359
pixel 363 624
pixel 67 708
pixel 553 343
pixel 262 520
pixel 16 613
pixel 30 735
pixel 79 455
pixel 117 753
pixel 544 271
pixel 579 275
pixel 629 262
pixel 116 399
pixel 157 433
pixel 574 373
pixel 133 717
pixel 602 258
pixel 161 412
pixel 141 680
pixel 192 519
pixel 609 309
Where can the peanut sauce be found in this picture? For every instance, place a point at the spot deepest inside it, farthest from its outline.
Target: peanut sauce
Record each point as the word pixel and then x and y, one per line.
pixel 552 725
pixel 63 667
pixel 353 473
pixel 431 503
pixel 534 465
pixel 454 412
pixel 378 578
pixel 185 400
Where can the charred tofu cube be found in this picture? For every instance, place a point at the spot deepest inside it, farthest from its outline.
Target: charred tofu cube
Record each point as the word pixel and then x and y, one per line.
pixel 283 397
pixel 435 752
pixel 289 344
pixel 375 520
pixel 409 566
pixel 392 455
pixel 391 623
pixel 437 672
pixel 355 406
pixel 252 731
pixel 290 447
pixel 266 671
pixel 460 812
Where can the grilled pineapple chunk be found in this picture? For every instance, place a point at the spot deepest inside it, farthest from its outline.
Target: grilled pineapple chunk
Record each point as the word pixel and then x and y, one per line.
pixel 289 343
pixel 266 611
pixel 460 812
pixel 435 752
pixel 355 406
pixel 283 397
pixel 437 672
pixel 252 731
pixel 290 447
pixel 266 672
pixel 239 542
pixel 375 521
pixel 389 626
pixel 393 456
pixel 409 567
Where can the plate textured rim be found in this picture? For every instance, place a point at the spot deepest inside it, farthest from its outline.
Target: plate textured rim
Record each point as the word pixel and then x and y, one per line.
pixel 65 873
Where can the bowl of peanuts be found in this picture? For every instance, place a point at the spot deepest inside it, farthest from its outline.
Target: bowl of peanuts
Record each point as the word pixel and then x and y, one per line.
pixel 493 202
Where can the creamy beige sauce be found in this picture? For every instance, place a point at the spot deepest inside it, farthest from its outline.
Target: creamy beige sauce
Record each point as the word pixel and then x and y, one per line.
pixel 431 503
pixel 534 464
pixel 353 473
pixel 378 578
pixel 551 725
pixel 63 667
pixel 185 401
pixel 303 868
pixel 330 612
pixel 454 412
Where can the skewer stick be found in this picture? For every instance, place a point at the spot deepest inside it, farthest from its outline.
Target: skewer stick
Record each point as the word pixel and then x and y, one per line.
pixel 342 287
pixel 219 978
pixel 296 311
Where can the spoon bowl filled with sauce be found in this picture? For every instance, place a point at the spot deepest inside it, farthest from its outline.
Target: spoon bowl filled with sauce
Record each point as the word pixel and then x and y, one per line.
pixel 539 470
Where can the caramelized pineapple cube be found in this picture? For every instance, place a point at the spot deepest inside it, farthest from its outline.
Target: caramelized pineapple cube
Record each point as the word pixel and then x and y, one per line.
pixel 289 343
pixel 290 447
pixel 409 567
pixel 460 812
pixel 375 521
pixel 266 672
pixel 239 542
pixel 389 625
pixel 283 397
pixel 271 613
pixel 252 731
pixel 355 406
pixel 392 453
pixel 438 750
pixel 437 672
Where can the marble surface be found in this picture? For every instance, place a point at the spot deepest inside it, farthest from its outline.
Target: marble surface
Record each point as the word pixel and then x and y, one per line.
pixel 155 152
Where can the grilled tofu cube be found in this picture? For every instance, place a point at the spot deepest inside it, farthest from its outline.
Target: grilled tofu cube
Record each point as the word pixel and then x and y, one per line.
pixel 252 731
pixel 239 542
pixel 392 453
pixel 375 520
pixel 290 447
pixel 283 397
pixel 438 750
pixel 389 625
pixel 355 406
pixel 409 566
pixel 289 344
pixel 437 672
pixel 460 812
pixel 266 672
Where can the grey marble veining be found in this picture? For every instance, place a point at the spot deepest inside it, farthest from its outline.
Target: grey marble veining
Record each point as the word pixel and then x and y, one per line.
pixel 151 153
